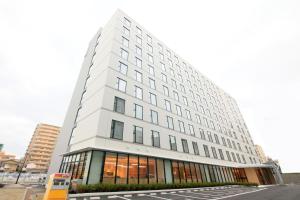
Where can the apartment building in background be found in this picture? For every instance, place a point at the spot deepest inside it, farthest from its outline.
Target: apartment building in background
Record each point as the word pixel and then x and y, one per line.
pixel 142 114
pixel 261 154
pixel 39 151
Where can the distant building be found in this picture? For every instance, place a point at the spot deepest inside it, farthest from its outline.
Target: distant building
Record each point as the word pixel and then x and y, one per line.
pixel 261 154
pixel 5 156
pixel 9 165
pixel 39 151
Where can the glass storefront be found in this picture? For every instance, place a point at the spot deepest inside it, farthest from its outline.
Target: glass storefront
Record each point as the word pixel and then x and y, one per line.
pixel 121 168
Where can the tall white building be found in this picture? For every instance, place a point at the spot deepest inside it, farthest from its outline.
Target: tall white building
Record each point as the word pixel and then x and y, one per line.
pixel 142 114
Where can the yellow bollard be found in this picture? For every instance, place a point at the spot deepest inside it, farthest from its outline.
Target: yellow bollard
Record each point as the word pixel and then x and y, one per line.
pixel 57 187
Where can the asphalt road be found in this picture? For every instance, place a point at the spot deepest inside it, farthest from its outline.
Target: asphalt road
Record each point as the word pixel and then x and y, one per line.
pixel 286 192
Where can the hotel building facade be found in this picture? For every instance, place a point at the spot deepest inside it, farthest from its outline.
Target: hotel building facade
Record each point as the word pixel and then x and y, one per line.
pixel 142 114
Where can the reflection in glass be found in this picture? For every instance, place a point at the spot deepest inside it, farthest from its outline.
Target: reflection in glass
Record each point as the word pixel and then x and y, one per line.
pixel 188 172
pixel 122 169
pixel 143 171
pixel 109 168
pixel 175 172
pixel 160 171
pixel 133 170
pixel 152 170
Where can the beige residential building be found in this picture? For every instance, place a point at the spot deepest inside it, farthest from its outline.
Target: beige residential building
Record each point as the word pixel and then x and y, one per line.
pixel 261 154
pixel 39 151
pixel 5 156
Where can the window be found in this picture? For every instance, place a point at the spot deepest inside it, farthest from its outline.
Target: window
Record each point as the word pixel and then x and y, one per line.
pixel 151 70
pixel 168 53
pixel 171 64
pixel 209 136
pixel 224 141
pixel 138 111
pixel 138 50
pixel 150 58
pixel 138 134
pixel 138 62
pixel 153 99
pixel 233 156
pixel 164 78
pixel 178 110
pixel 176 97
pixel 124 54
pixel 161 55
pixel 185 146
pixel 109 170
pixel 172 72
pixel 206 151
pixel 188 114
pixel 163 67
pixel 149 39
pixel 221 154
pixel 185 101
pixel 149 48
pixel 127 22
pixel 125 42
pixel 202 134
pixel 121 177
pixel 198 119
pixel 138 92
pixel 155 139
pixel 168 105
pixel 174 84
pixel 121 85
pixel 182 88
pixel 138 40
pixel 133 169
pixel 213 149
pixel 117 129
pixel 173 145
pixel 195 147
pixel 123 68
pixel 170 122
pixel 160 47
pixel 216 138
pixel 138 76
pixel 152 83
pixel 181 126
pixel 228 156
pixel 119 105
pixel 126 31
pixel 192 131
pixel 154 117
pixel 139 31
pixel 166 90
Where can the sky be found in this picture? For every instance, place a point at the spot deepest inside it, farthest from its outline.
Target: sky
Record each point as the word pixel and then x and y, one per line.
pixel 251 49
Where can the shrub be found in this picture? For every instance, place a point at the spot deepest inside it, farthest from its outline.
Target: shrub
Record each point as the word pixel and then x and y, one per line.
pixel 89 188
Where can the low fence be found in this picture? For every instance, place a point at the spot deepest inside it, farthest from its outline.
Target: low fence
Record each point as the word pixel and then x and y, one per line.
pixel 291 178
pixel 25 178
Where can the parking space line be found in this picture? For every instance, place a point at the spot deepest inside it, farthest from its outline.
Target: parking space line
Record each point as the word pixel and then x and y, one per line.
pixel 115 196
pixel 225 197
pixel 157 197
pixel 188 196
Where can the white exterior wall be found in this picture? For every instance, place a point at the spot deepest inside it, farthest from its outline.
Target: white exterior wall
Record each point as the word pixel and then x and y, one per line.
pixel 93 123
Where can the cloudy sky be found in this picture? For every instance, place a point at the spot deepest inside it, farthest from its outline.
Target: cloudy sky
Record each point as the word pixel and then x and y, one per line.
pixel 249 48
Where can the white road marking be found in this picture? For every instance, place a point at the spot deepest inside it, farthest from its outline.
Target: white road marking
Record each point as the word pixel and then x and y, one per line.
pixel 141 195
pixel 128 195
pixel 225 197
pixel 157 197
pixel 92 198
pixel 114 197
pixel 188 196
pixel 163 193
pixel 152 193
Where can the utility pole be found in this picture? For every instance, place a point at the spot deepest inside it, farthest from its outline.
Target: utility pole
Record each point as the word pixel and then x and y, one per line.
pixel 20 170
